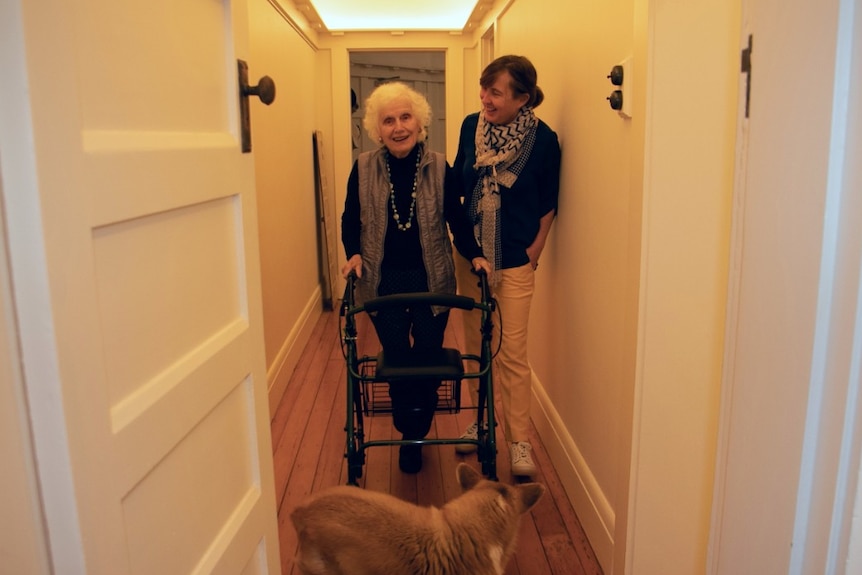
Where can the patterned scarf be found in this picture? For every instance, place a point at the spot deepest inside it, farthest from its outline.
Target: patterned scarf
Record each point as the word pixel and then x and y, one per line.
pixel 501 152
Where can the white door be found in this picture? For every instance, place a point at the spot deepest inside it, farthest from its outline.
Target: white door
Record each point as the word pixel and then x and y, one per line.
pixel 134 256
pixel 789 453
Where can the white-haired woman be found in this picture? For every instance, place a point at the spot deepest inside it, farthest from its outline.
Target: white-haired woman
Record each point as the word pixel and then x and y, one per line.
pixel 400 199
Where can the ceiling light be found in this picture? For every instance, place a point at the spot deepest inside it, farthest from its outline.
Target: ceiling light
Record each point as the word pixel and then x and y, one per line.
pixel 340 15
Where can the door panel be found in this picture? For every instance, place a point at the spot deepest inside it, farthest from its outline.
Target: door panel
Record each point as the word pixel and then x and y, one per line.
pixel 148 213
pixel 178 508
pixel 133 55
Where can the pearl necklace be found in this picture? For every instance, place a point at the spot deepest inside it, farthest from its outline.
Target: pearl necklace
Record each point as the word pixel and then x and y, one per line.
pixel 395 215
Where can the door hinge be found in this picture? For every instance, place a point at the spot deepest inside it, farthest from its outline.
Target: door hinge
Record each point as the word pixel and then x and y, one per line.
pixel 746 69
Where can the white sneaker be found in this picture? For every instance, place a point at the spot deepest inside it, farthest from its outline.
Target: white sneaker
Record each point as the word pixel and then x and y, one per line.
pixel 522 462
pixel 472 432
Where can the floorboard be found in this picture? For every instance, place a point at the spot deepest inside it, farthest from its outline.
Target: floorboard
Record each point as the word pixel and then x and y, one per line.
pixel 308 441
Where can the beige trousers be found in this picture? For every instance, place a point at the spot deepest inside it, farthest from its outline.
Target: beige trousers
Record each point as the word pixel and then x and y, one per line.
pixel 512 375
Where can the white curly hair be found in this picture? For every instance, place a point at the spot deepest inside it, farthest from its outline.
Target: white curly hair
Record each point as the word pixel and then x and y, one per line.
pixel 385 94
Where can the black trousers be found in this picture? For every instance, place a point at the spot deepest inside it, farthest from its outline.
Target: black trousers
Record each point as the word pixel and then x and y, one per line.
pixel 399 331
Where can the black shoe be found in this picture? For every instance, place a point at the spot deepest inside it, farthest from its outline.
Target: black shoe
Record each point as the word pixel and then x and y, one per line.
pixel 410 458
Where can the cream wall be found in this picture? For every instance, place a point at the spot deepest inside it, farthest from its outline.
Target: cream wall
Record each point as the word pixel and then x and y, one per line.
pixel 582 343
pixel 471 70
pixel 284 170
pixel 628 319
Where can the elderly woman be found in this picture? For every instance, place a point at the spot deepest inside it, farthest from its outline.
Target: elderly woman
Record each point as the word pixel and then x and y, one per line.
pixel 400 199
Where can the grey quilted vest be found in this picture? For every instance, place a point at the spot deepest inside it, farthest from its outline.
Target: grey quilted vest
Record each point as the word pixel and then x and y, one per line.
pixel 374 216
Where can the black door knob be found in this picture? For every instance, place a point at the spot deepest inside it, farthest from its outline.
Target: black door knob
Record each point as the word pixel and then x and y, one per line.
pixel 265 90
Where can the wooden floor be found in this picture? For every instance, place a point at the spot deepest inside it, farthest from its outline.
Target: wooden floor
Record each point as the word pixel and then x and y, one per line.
pixel 308 448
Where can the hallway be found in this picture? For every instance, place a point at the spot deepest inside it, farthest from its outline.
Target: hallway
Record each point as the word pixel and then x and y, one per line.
pixel 308 446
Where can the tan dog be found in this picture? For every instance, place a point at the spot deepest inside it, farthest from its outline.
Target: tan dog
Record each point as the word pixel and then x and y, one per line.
pixel 347 530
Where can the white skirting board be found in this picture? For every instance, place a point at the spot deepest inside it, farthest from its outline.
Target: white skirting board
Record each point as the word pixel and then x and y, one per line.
pixel 278 374
pixel 591 506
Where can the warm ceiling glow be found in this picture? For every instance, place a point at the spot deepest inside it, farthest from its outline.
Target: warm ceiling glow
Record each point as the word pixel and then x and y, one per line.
pixel 394 14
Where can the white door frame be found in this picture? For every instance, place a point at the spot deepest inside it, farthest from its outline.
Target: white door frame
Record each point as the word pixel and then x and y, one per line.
pixel 27 268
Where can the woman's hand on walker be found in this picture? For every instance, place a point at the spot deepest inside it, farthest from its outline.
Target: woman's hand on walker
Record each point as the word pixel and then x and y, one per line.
pixel 354 264
pixel 481 264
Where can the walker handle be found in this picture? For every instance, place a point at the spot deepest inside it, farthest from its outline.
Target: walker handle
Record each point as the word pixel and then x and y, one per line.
pixel 419 298
pixel 483 284
pixel 348 299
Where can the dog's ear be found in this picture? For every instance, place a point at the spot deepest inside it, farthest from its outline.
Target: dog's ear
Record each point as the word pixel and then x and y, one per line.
pixel 529 494
pixel 467 476
pixel 297 517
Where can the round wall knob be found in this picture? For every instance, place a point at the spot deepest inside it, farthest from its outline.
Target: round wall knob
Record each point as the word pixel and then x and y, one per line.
pixel 265 90
pixel 616 75
pixel 616 99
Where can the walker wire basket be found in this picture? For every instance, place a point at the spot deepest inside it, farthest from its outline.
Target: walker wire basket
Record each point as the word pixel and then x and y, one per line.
pixel 375 394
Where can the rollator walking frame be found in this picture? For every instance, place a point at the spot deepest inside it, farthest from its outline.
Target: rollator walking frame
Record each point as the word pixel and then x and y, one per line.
pixel 365 373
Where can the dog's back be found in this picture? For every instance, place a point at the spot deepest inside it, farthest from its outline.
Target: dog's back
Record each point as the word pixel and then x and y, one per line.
pixel 350 531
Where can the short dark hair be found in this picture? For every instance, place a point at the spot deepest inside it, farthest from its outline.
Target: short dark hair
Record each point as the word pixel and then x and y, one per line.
pixel 522 72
